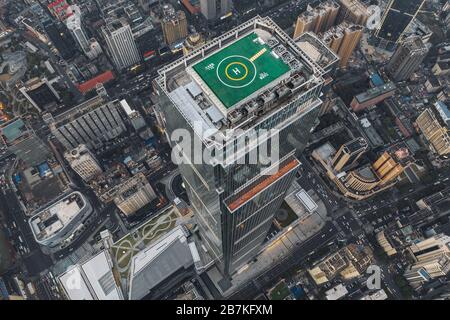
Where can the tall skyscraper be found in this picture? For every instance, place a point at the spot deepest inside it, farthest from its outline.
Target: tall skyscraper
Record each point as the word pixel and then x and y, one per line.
pixel 343 40
pixel 349 153
pixel 121 44
pixel 234 192
pixel 214 9
pixel 318 19
pixel 407 58
pixel 174 25
pixel 397 16
pixel 92 123
pixel 83 162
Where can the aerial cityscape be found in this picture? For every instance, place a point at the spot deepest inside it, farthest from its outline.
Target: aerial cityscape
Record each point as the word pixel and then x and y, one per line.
pixel 225 150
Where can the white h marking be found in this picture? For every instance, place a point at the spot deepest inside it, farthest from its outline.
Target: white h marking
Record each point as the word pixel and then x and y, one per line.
pixel 236 71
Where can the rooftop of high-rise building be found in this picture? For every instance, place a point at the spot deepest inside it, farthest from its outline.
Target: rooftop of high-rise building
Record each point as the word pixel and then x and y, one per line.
pixel 317 50
pixel 237 79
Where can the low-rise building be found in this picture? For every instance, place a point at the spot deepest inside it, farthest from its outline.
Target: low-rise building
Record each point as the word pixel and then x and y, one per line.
pixel 62 221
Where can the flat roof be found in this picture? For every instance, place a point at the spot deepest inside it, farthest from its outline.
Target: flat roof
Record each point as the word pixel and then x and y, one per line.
pixel 240 69
pixel 306 200
pixel 91 280
pixel 55 217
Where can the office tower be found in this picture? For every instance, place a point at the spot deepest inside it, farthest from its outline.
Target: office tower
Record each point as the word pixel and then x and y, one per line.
pixel 407 58
pixel 233 193
pixel 214 9
pixel 134 194
pixel 174 25
pixel 435 133
pixel 120 42
pixel 92 123
pixel 353 11
pixel 432 260
pixel 349 153
pixel 343 40
pixel 40 93
pixel 83 162
pixel 318 19
pixel 396 19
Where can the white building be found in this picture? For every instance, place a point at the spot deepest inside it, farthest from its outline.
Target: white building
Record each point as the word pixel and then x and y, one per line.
pixel 92 280
pixel 62 221
pixel 83 162
pixel 121 45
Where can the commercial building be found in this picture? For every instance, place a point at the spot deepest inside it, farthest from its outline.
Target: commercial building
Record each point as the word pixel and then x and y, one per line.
pixel 373 96
pixel 318 19
pixel 236 196
pixel 435 133
pixel 432 260
pixel 353 11
pixel 215 9
pixel 174 25
pixel 120 42
pixel 396 19
pixel 93 279
pixel 366 181
pixel 163 266
pixel 62 221
pixel 349 153
pixel 407 59
pixel 134 194
pixel 93 123
pixel 343 40
pixel 83 162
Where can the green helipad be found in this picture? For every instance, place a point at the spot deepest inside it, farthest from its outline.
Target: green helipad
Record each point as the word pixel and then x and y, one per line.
pixel 239 70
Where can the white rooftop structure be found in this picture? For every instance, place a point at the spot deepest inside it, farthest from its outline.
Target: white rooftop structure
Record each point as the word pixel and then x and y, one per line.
pixel 57 216
pixel 378 295
pixel 92 280
pixel 336 293
pixel 306 200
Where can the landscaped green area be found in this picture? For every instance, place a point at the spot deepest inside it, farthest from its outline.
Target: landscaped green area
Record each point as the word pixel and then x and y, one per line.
pixel 240 69
pixel 125 248
pixel 280 291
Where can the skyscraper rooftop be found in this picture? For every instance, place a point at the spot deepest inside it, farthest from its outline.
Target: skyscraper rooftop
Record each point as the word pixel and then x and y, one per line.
pixel 241 77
